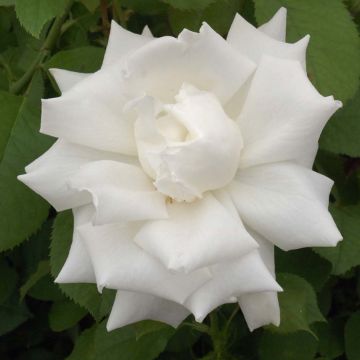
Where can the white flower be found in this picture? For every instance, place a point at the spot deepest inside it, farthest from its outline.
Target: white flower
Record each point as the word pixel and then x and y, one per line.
pixel 185 160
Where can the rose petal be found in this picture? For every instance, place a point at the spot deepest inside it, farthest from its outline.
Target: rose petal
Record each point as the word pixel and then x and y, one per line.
pixel 203 59
pixel 283 115
pixel 231 280
pixel 120 192
pixel 122 42
pixel 276 26
pixel 195 235
pixel 49 173
pixel 78 267
pixel 287 204
pixel 66 79
pixel 130 307
pixel 254 43
pixel 91 113
pixel 120 264
pixel 147 32
pixel 261 308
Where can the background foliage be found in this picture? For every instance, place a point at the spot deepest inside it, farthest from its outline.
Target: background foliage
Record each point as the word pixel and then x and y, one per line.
pixel 41 320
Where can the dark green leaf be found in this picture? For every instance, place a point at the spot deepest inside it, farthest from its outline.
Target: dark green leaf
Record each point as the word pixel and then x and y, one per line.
pixel 334 50
pixel 341 134
pixel 122 344
pixel 189 4
pixel 347 253
pixel 297 346
pixel 352 337
pixel 42 270
pixel 298 305
pixel 85 346
pixel 64 315
pixel 20 205
pixel 8 280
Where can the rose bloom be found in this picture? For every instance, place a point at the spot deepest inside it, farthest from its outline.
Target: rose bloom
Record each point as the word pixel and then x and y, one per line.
pixel 184 161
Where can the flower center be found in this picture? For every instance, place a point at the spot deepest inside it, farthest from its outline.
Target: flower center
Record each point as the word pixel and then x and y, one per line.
pixel 188 147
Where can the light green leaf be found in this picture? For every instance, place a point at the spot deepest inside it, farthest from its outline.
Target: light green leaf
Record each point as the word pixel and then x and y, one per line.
pixel 64 315
pixel 22 211
pixel 298 305
pixel 189 4
pixel 33 14
pixel 84 59
pixel 86 295
pixel 85 346
pixel 352 337
pixel 122 344
pixel 341 134
pixel 42 270
pixel 347 253
pixel 192 20
pixel 334 50
pixel 296 346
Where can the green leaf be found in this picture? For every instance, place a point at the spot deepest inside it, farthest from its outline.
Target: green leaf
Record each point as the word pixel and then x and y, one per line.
pixel 296 346
pixel 334 49
pixel 192 20
pixel 305 263
pixel 33 14
pixel 347 253
pixel 12 314
pixel 84 59
pixel 42 270
pixel 7 2
pixel 352 337
pixel 189 4
pixel 46 290
pixel 22 211
pixel 298 305
pixel 8 280
pixel 331 338
pixel 341 134
pixel 85 346
pixel 144 7
pixel 122 344
pixel 64 315
pixel 91 5
pixel 85 295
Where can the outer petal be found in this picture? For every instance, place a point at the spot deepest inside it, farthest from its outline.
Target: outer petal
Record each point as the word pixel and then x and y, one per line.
pixel 203 59
pixel 67 79
pixel 261 308
pixel 253 43
pixel 122 43
pixel 48 174
pixel 91 113
pixel 130 307
pixel 276 26
pixel 120 192
pixel 231 280
pixel 195 235
pixel 120 264
pixel 78 266
pixel 277 130
pixel 286 204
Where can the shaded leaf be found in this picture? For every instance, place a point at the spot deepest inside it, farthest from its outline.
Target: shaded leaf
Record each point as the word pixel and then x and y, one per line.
pixel 352 337
pixel 347 253
pixel 84 346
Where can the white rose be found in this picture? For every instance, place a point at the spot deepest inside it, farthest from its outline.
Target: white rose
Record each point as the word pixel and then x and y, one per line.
pixel 185 160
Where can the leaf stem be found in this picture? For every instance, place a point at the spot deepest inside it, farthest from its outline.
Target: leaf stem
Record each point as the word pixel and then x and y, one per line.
pixel 45 50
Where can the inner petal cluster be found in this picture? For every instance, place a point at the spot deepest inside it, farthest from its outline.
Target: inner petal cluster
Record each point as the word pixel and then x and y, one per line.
pixel 187 147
